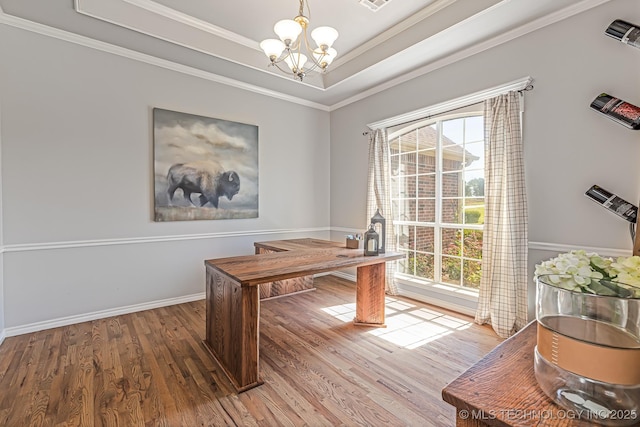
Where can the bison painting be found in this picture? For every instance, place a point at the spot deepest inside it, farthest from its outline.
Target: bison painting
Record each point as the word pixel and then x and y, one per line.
pixel 198 164
pixel 207 178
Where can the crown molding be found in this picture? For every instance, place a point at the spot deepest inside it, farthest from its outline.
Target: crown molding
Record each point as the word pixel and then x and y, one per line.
pixel 85 7
pixel 503 38
pixel 183 18
pixel 475 49
pixel 392 32
pixel 56 33
pixel 204 39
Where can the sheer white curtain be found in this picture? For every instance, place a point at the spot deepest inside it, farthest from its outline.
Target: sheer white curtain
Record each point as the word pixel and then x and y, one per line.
pixel 379 196
pixel 503 286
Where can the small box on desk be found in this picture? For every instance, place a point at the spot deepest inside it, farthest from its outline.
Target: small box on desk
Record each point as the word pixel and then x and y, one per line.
pixel 355 244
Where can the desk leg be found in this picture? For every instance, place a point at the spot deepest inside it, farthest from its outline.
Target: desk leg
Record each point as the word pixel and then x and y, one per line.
pixel 232 329
pixel 370 295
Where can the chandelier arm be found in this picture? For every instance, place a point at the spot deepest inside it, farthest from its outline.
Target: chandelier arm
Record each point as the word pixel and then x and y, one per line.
pixel 294 59
pixel 296 75
pixel 276 64
pixel 284 55
pixel 316 63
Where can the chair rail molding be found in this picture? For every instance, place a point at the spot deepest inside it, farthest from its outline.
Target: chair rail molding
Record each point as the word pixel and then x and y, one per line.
pixel 539 246
pixel 151 239
pixel 562 247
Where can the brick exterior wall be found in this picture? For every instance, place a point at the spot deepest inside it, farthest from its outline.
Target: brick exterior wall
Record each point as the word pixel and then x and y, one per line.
pixel 417 203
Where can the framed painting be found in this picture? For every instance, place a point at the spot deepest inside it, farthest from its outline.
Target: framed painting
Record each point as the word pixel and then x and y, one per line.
pixel 204 168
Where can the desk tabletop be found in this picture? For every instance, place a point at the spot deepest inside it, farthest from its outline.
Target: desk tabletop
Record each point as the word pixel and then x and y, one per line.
pixel 297 244
pixel 251 270
pixel 501 389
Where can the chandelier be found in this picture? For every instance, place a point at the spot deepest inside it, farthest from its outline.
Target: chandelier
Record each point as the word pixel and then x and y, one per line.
pixel 293 37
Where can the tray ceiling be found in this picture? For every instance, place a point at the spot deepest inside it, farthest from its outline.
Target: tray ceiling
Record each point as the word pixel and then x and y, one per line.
pixel 377 49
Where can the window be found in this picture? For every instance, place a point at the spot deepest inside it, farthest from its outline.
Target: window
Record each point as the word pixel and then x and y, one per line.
pixel 437 191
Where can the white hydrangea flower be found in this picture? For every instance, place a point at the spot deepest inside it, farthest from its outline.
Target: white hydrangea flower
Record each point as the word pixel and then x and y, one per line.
pixel 579 270
pixel 627 272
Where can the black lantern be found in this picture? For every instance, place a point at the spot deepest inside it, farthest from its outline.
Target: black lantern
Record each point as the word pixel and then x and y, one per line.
pixel 371 241
pixel 379 219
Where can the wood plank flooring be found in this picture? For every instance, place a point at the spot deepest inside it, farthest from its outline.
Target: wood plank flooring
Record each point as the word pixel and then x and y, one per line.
pixel 150 368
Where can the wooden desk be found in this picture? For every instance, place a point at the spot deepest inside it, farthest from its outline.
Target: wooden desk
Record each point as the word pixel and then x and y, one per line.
pixel 296 285
pixel 233 302
pixel 501 389
pixel 299 244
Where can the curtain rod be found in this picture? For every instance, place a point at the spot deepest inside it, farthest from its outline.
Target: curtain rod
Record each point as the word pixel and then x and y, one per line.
pixel 453 104
pixel 527 88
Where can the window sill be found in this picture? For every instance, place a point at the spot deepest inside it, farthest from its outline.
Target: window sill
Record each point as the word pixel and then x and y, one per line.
pixel 443 288
pixel 447 296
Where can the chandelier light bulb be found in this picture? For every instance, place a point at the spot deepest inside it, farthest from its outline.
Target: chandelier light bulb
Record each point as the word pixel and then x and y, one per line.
pixel 294 40
pixel 272 48
pixel 296 62
pixel 288 30
pixel 327 59
pixel 324 36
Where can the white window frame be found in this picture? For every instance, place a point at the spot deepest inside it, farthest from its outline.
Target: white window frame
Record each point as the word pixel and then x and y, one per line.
pixel 453 297
pixel 438 224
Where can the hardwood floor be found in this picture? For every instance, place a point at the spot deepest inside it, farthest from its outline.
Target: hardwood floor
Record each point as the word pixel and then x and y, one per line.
pixel 151 369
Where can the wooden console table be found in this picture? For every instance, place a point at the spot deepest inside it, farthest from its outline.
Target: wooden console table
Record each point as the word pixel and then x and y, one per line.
pixel 233 301
pixel 501 389
pixel 296 285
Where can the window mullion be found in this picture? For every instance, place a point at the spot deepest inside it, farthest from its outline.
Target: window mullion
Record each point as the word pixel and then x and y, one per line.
pixel 437 233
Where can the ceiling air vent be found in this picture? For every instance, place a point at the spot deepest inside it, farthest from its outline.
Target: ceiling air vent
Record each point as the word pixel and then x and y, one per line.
pixel 374 5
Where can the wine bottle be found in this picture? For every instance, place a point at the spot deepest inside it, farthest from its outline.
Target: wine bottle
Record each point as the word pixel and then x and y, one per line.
pixel 618 110
pixel 613 203
pixel 625 32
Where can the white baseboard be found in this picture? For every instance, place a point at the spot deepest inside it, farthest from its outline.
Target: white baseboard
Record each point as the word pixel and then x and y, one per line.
pixel 346 276
pixel 102 314
pixel 70 320
pixel 419 297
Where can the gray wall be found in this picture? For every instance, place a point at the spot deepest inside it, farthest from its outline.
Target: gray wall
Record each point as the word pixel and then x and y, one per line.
pixel 2 299
pixel 77 176
pixel 77 171
pixel 568 147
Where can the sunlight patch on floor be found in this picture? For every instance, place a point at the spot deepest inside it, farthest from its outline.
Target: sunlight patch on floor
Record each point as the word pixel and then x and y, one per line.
pixel 344 312
pixel 408 325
